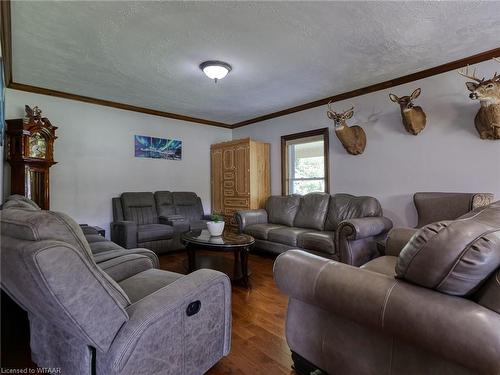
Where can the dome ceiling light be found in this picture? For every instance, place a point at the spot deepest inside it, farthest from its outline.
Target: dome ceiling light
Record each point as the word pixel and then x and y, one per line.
pixel 215 69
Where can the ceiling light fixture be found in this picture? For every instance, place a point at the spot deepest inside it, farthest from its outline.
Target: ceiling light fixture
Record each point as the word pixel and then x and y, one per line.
pixel 215 69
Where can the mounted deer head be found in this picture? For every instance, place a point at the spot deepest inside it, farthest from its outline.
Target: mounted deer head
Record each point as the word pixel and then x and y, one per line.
pixel 353 138
pixel 487 119
pixel 413 116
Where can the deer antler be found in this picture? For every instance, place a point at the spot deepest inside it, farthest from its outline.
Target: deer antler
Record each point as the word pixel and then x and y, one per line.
pixel 465 72
pixel 330 106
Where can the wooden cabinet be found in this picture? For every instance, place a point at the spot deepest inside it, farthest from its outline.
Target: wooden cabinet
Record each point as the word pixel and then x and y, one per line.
pixel 240 177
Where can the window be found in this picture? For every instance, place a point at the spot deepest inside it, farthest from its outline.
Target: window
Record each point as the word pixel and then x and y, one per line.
pixel 304 162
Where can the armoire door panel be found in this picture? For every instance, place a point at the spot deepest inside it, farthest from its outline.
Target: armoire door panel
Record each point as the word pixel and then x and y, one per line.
pixel 217 194
pixel 228 158
pixel 239 202
pixel 242 171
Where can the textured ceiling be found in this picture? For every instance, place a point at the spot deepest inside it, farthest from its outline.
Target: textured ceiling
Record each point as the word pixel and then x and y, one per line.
pixel 283 53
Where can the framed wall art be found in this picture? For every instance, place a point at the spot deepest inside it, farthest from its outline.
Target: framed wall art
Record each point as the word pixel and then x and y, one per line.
pixel 157 148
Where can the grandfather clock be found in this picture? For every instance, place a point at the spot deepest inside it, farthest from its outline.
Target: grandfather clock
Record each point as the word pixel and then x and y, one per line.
pixel 30 153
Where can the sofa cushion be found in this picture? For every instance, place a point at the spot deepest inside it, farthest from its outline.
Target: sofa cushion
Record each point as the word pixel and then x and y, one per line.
pixel 317 241
pixel 312 211
pixel 261 231
pixel 346 206
pixel 286 235
pixel 454 257
pixel 139 208
pixel 282 210
pixel 164 203
pixel 154 232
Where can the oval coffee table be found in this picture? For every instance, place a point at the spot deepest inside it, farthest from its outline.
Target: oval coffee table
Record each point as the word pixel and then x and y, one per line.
pixel 239 244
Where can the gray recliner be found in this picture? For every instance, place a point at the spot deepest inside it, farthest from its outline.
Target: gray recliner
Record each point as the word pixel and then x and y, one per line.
pixel 84 322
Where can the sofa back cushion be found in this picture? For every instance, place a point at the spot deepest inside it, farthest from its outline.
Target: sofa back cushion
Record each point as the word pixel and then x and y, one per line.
pixel 312 211
pixel 453 257
pixel 345 206
pixel 188 205
pixel 164 203
pixel 282 210
pixel 139 208
pixel 436 206
pixel 20 201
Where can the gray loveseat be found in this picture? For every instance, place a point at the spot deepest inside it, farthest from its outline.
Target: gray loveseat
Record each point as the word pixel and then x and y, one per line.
pixel 155 221
pixel 84 320
pixel 341 227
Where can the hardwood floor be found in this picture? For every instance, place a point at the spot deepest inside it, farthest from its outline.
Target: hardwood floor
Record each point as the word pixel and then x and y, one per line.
pixel 258 343
pixel 258 333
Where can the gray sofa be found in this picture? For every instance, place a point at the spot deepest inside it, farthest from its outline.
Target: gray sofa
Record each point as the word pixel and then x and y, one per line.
pixel 131 319
pixel 431 308
pixel 155 221
pixel 341 227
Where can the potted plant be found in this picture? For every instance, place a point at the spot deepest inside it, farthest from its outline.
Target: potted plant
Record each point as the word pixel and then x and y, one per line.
pixel 216 226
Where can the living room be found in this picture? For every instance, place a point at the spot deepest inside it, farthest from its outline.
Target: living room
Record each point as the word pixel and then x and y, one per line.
pixel 366 128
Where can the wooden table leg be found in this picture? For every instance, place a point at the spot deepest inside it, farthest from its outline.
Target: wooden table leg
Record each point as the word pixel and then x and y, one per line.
pixel 191 258
pixel 237 264
pixel 244 264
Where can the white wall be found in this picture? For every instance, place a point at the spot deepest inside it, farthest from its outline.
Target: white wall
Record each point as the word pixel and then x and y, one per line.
pixel 447 156
pixel 95 155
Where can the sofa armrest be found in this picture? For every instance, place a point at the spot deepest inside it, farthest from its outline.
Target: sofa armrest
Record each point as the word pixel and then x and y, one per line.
pixel 451 327
pixel 124 233
pixel 397 239
pixel 363 227
pixel 161 326
pixel 245 218
pixel 355 239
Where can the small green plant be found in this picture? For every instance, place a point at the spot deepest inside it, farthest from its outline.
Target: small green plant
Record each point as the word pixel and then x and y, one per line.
pixel 216 217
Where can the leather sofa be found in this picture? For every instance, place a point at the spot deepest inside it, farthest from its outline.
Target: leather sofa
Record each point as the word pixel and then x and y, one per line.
pixel 433 307
pixel 437 206
pixel 341 227
pixel 155 221
pixel 86 321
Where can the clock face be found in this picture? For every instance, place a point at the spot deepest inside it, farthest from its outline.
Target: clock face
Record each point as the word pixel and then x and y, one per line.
pixel 37 146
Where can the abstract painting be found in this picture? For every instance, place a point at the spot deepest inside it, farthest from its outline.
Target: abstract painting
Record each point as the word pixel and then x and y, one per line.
pixel 157 148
